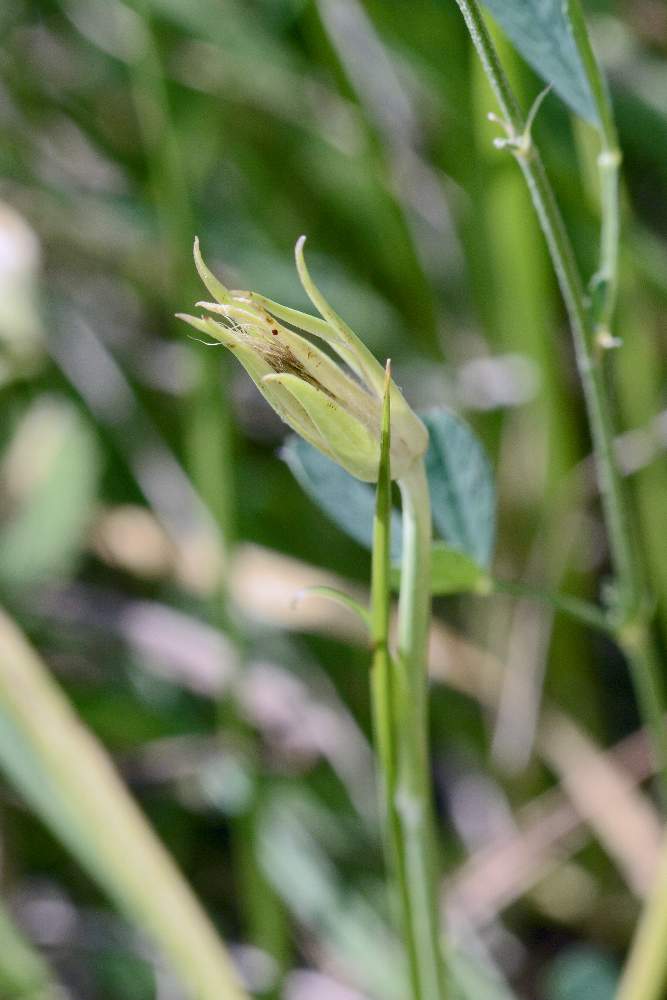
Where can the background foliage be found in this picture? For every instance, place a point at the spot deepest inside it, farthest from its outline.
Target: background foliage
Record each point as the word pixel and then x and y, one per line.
pixel 151 538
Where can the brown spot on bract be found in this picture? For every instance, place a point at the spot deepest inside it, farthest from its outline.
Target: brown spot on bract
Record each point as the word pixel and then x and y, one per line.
pixel 275 333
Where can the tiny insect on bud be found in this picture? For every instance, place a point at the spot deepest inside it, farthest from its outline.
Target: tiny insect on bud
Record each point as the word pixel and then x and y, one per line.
pixel 336 410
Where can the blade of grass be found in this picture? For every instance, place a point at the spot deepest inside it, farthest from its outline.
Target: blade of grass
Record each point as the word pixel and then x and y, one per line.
pixel 208 427
pixel 67 778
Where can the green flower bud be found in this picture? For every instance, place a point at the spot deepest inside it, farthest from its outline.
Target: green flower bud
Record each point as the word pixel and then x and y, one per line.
pixel 336 412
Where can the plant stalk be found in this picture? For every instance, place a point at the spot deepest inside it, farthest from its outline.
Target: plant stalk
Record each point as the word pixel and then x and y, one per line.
pixel 605 282
pixel 383 672
pixel 568 604
pixel 413 799
pixel 631 606
pixel 645 973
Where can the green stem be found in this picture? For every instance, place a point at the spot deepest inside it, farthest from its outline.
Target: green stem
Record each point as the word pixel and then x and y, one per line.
pixel 605 281
pixel 24 974
pixel 583 611
pixel 631 607
pixel 383 672
pixel 637 642
pixel 413 783
pixel 645 973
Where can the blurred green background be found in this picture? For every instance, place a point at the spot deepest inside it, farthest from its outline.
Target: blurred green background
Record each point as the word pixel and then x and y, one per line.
pixel 151 538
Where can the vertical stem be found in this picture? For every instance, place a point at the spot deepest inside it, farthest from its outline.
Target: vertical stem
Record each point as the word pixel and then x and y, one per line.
pixel 631 616
pixel 382 689
pixel 645 973
pixel 413 791
pixel 605 281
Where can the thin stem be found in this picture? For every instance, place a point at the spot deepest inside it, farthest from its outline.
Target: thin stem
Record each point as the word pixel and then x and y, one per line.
pixel 631 605
pixel 382 689
pixel 567 272
pixel 413 792
pixel 605 282
pixel 567 604
pixel 645 974
pixel 637 642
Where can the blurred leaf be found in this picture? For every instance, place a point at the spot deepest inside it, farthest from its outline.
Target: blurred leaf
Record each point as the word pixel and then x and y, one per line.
pixel 119 974
pixel 461 485
pixel 542 33
pixel 462 494
pixel 68 779
pixel 347 501
pixel 21 336
pixel 54 459
pixel 471 980
pixel 454 572
pixel 581 973
pixel 290 851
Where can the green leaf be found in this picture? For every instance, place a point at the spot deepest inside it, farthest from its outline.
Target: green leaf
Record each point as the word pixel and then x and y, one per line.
pixel 452 572
pixel 349 503
pixel 45 533
pixel 461 485
pixel 542 32
pixel 66 776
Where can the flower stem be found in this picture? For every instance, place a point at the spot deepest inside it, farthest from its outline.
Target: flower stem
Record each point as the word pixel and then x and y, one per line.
pixel 413 798
pixel 631 606
pixel 383 671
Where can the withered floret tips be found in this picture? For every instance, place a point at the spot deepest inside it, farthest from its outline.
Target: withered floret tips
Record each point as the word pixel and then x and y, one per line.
pixel 333 410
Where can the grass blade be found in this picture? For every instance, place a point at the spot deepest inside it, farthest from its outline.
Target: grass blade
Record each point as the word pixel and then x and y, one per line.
pixel 67 778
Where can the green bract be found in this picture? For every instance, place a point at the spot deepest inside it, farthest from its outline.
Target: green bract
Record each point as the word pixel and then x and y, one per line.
pixel 337 413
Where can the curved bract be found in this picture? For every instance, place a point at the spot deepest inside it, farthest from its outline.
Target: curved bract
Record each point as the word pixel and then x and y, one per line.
pixel 336 412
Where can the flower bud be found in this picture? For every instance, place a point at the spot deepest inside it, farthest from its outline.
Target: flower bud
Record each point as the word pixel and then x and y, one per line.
pixel 336 410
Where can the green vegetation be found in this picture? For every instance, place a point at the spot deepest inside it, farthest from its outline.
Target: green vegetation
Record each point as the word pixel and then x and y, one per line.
pixel 225 771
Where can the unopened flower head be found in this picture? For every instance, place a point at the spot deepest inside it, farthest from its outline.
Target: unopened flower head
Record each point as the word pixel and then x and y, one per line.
pixel 337 412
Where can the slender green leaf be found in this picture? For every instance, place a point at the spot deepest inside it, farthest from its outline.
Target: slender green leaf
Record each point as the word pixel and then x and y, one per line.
pixel 461 486
pixel 542 32
pixel 68 779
